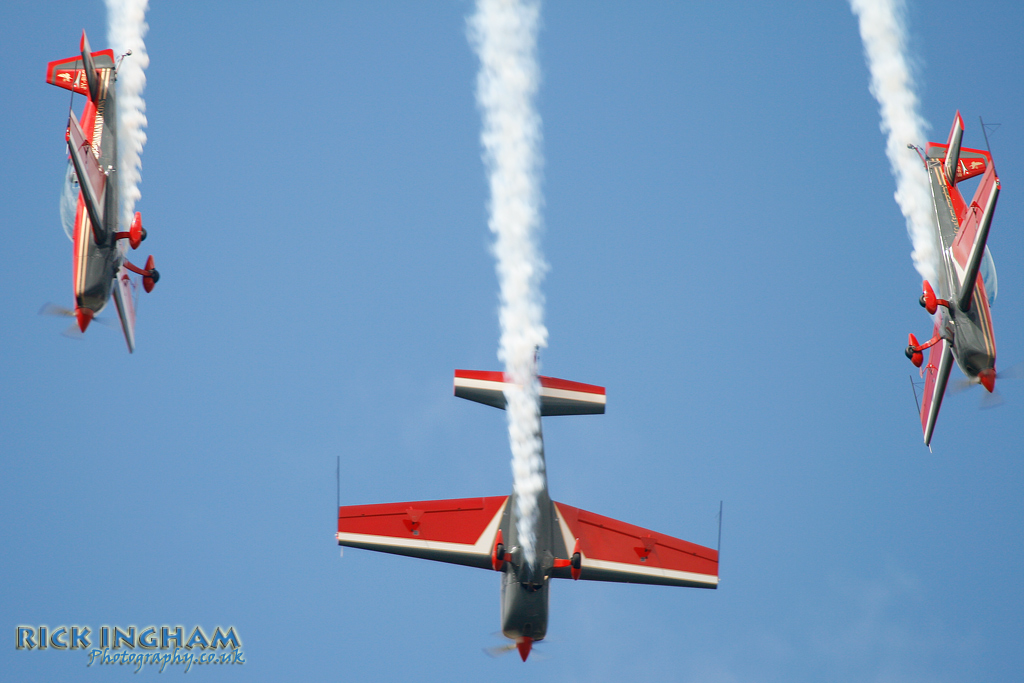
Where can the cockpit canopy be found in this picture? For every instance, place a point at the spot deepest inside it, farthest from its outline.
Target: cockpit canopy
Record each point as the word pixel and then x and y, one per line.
pixel 988 276
pixel 69 201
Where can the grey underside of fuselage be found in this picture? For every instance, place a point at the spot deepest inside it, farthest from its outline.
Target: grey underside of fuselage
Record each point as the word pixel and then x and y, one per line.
pixel 524 590
pixel 963 327
pixel 103 259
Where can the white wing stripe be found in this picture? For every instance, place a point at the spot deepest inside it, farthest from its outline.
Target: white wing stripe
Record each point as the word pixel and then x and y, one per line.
pixel 652 571
pixel 573 395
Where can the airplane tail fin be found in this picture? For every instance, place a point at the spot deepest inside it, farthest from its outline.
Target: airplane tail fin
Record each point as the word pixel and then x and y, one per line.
pixel 78 74
pixel 90 69
pixel 557 396
pixel 956 134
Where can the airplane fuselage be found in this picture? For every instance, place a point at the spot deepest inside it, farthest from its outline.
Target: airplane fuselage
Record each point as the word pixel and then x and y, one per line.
pixel 524 605
pixel 524 587
pixel 96 261
pixel 973 342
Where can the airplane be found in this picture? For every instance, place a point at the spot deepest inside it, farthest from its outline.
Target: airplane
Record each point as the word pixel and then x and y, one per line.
pixel 966 287
pixel 90 205
pixel 570 542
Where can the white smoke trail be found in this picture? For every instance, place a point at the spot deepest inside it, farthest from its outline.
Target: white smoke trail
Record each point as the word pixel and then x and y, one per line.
pixel 892 84
pixel 126 28
pixel 504 35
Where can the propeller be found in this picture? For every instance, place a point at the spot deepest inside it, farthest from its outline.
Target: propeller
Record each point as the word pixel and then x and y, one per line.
pixel 989 399
pixel 524 645
pixel 73 332
pixel 499 650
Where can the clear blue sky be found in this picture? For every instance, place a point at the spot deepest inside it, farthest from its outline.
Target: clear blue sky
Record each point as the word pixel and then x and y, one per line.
pixel 726 258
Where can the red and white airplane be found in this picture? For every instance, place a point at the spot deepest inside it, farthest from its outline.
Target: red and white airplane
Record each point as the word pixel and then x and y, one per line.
pixel 966 285
pixel 570 543
pixel 90 203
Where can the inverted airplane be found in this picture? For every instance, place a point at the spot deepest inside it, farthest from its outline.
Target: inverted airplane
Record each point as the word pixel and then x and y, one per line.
pixel 570 543
pixel 90 204
pixel 959 301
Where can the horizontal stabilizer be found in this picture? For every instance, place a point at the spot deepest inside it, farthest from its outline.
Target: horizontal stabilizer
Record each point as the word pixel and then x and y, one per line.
pixel 611 550
pixel 91 178
pixel 459 531
pixel 969 247
pixel 956 134
pixel 70 73
pixel 972 161
pixel 557 396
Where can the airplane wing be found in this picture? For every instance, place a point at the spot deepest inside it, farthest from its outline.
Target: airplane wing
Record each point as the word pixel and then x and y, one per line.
pixel 91 179
pixel 557 396
pixel 459 531
pixel 940 362
pixel 124 297
pixel 969 246
pixel 611 550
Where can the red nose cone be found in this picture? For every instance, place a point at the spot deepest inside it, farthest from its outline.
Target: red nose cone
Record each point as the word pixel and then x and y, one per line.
pixel 524 645
pixel 988 379
pixel 85 315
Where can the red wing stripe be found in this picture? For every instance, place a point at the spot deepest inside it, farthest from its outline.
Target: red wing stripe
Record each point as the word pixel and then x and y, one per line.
pixel 485 375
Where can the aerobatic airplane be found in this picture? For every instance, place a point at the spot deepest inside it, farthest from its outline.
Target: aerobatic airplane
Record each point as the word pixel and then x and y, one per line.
pixel 90 202
pixel 966 286
pixel 570 543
